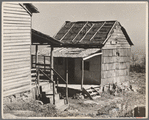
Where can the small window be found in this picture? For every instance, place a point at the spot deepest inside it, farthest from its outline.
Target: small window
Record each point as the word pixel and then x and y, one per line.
pixel 60 61
pixel 86 65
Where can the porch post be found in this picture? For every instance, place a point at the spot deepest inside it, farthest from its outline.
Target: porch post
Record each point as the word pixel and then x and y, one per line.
pixel 51 62
pixel 66 79
pixel 82 74
pixel 36 57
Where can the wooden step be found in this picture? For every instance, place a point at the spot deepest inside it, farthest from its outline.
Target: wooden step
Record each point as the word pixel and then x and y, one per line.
pixel 92 92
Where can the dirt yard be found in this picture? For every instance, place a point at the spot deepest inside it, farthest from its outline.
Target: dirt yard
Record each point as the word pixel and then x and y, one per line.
pixel 106 106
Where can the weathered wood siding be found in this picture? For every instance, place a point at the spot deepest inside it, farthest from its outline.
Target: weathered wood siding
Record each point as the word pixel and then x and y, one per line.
pixel 115 58
pixel 16 49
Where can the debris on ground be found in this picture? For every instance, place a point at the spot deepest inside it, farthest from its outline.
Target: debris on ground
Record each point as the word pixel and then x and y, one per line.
pixel 115 101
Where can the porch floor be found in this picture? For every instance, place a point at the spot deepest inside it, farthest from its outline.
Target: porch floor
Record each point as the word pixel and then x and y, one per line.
pixel 77 86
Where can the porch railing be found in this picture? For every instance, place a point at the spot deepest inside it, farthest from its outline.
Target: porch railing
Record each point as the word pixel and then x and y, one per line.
pixel 46 72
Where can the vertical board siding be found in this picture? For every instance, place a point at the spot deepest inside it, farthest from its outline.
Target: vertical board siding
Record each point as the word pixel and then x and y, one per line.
pixel 16 49
pixel 115 59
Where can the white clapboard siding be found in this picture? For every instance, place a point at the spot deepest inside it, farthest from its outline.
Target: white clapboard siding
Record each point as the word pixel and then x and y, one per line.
pixel 14 57
pixel 18 38
pixel 12 31
pixel 7 73
pixel 15 64
pixel 16 34
pixel 19 75
pixel 18 60
pixel 16 43
pixel 16 84
pixel 15 16
pixel 14 80
pixel 16 49
pixel 17 90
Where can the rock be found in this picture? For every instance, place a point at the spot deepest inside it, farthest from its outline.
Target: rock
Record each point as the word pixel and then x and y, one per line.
pixel 72 111
pixel 106 88
pixel 81 97
pixel 90 102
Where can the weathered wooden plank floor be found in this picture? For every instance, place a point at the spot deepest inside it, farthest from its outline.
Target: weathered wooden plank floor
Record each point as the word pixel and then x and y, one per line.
pixel 77 86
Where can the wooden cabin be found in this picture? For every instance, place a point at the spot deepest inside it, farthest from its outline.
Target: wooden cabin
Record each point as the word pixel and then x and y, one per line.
pixel 102 56
pixel 16 41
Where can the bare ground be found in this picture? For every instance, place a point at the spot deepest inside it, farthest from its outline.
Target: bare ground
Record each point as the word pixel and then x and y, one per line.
pixel 106 106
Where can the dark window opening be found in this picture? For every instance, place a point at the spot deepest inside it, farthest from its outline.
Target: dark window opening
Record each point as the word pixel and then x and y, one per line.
pixel 86 65
pixel 60 61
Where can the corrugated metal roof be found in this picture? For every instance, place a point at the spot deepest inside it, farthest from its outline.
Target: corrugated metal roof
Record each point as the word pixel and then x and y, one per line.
pixel 69 52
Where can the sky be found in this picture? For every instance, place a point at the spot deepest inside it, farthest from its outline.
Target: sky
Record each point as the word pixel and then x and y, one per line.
pixel 131 15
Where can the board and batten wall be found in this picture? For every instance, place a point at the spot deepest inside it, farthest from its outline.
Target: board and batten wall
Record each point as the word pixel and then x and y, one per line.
pixel 115 58
pixel 16 24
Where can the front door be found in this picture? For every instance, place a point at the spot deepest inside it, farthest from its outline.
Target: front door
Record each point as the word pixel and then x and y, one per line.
pixel 71 67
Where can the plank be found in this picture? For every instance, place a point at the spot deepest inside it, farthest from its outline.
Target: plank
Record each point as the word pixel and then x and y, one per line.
pixel 23 17
pixel 15 80
pixel 15 91
pixel 16 38
pixel 8 7
pixel 16 10
pixel 16 28
pixel 16 60
pixel 15 13
pixel 12 68
pixel 18 75
pixel 16 50
pixel 16 22
pixel 16 43
pixel 16 63
pixel 15 72
pixel 16 84
pixel 17 47
pixel 10 17
pixel 14 31
pixel 17 34
pixel 12 6
pixel 15 56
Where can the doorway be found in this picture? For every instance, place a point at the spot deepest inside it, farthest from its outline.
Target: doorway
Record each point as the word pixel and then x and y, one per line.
pixel 71 66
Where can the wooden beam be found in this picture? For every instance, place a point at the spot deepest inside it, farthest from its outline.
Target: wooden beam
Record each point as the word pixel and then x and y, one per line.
pixel 36 54
pixel 67 32
pixel 86 33
pixel 88 57
pixel 66 79
pixel 82 74
pixel 80 31
pixel 51 62
pixel 97 31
